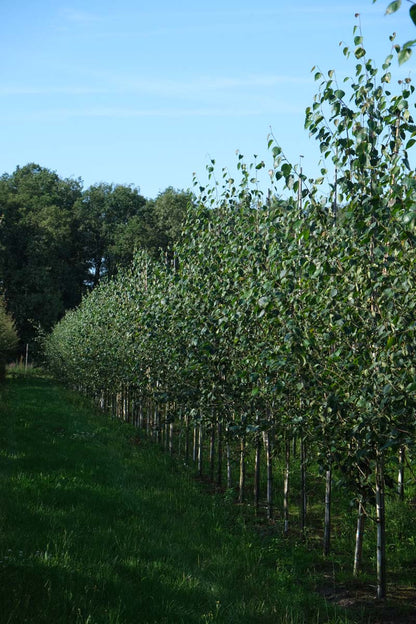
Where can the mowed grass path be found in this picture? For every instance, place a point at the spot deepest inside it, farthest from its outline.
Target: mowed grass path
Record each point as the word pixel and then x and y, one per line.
pixel 99 525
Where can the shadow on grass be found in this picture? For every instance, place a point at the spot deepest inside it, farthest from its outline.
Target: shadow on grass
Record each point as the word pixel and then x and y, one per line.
pixel 97 525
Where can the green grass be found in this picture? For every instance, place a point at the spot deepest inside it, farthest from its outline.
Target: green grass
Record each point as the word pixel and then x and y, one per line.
pixel 99 525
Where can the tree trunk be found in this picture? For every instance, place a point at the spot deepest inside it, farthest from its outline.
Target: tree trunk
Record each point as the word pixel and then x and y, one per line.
pixel 156 425
pixel 171 438
pixel 359 537
pixel 242 471
pixel 219 455
pixel 140 413
pixel 400 476
pixel 327 522
pixel 269 474
pixel 303 501
pixel 212 453
pixel 165 427
pixel 195 443
pixel 286 489
pixel 186 418
pixel 180 433
pixel 125 405
pixel 148 417
pixel 381 530
pixel 257 460
pixel 229 473
pixel 200 440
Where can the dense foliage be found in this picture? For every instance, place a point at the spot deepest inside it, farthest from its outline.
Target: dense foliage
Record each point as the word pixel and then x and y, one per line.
pixel 57 241
pixel 8 338
pixel 278 319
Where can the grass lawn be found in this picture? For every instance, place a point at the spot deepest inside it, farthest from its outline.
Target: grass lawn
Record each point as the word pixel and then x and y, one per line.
pixel 99 525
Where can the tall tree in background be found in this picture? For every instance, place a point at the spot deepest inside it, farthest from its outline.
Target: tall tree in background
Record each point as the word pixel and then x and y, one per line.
pixel 58 241
pixel 104 211
pixel 8 337
pixel 42 271
pixel 155 226
pixel 168 211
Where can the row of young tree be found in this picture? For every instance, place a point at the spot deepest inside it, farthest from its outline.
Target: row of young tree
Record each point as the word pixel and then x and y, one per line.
pixel 278 318
pixel 58 240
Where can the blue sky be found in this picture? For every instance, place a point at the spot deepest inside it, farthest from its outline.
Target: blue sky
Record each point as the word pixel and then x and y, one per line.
pixel 139 93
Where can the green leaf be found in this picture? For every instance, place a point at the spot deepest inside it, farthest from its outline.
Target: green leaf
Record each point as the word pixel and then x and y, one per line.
pixel 393 7
pixel 359 52
pixel 411 387
pixel 412 12
pixel 404 55
pixel 409 44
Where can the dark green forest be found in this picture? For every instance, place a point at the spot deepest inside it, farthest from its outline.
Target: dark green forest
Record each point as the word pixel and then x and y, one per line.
pixel 59 240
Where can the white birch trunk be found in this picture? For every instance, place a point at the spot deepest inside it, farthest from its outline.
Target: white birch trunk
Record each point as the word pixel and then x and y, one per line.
pixel 359 538
pixel 381 530
pixel 286 489
pixel 327 521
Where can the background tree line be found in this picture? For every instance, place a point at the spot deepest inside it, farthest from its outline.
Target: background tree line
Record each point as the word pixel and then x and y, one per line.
pixel 58 240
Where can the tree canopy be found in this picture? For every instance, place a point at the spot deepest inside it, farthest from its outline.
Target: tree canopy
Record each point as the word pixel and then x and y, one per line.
pixel 58 240
pixel 8 337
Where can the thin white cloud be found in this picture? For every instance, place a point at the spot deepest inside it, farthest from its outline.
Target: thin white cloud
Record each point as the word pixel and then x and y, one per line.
pixel 16 90
pixel 212 84
pixel 80 17
pixel 55 115
pixel 177 112
pixel 161 87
